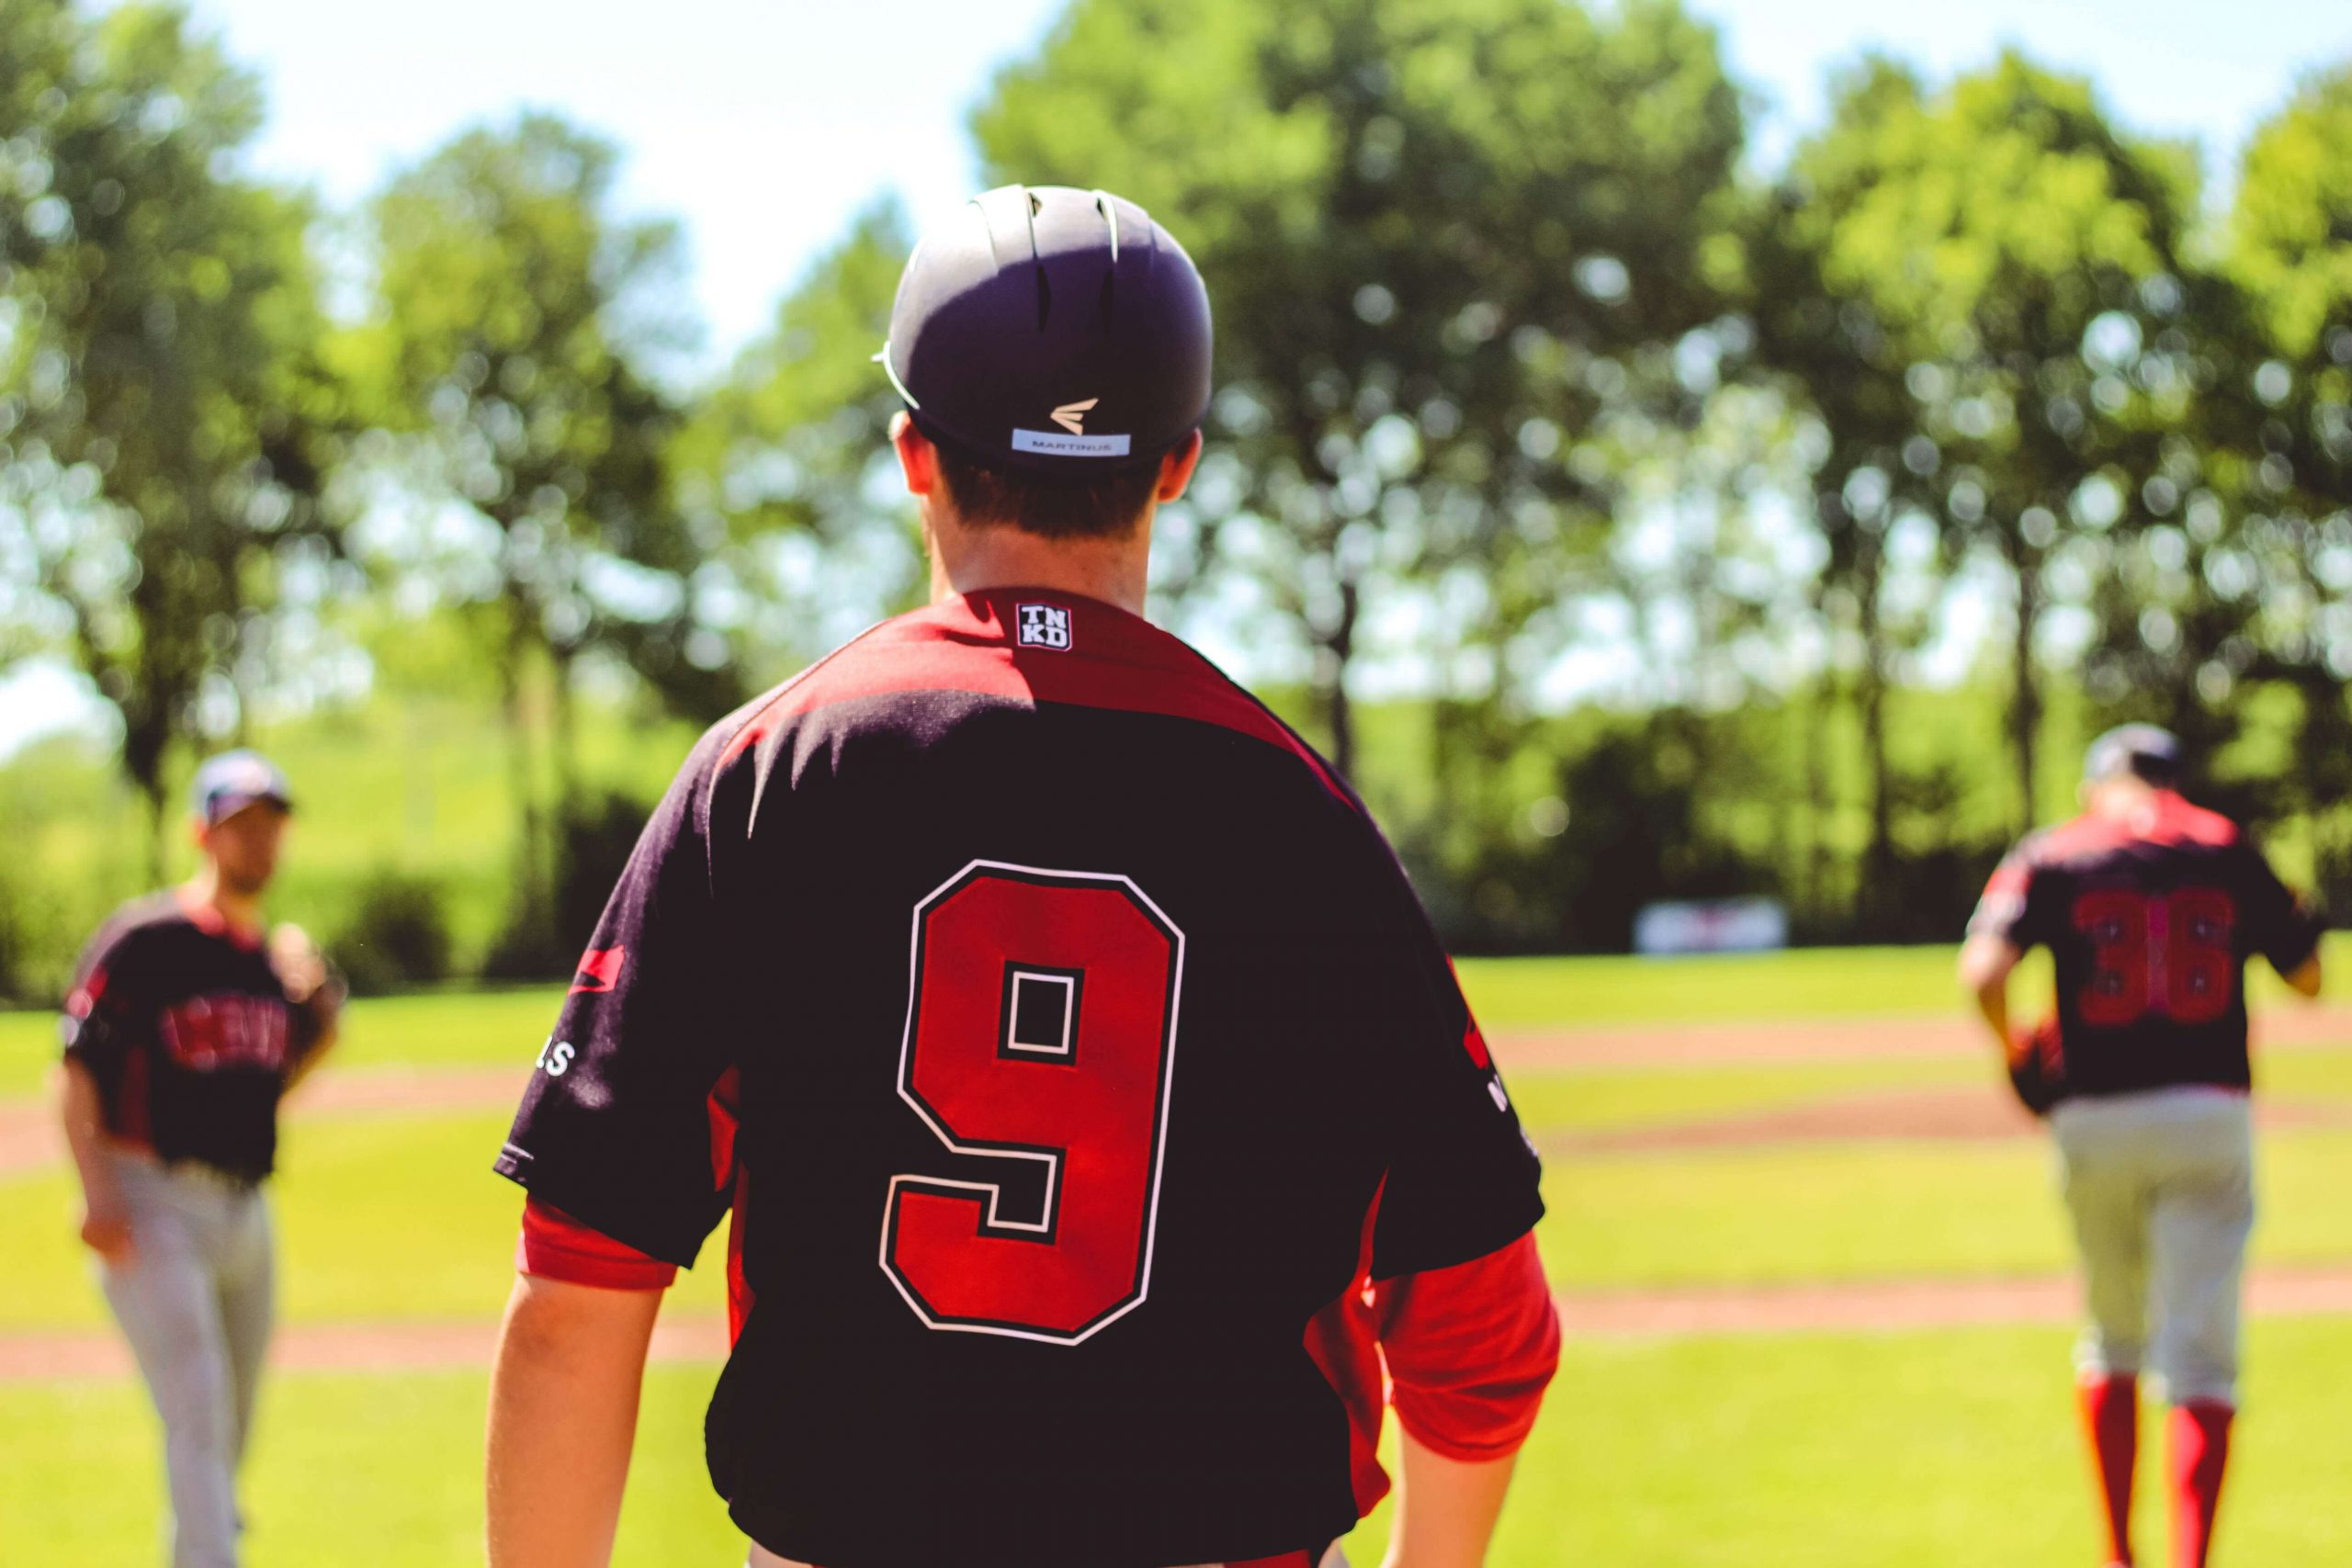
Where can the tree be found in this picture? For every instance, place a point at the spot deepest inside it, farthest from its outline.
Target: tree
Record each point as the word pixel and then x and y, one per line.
pixel 784 468
pixel 2025 256
pixel 516 322
pixel 169 413
pixel 1874 464
pixel 1441 236
pixel 2291 567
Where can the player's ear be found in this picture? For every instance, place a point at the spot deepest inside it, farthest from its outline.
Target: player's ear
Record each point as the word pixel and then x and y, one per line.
pixel 918 459
pixel 1176 468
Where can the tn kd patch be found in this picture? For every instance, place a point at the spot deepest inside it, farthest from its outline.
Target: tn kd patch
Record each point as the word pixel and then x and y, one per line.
pixel 1045 626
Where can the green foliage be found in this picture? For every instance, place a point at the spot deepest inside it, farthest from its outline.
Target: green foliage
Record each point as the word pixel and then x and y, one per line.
pixel 2294 189
pixel 1440 238
pixel 2291 443
pixel 514 330
pixel 398 934
pixel 780 463
pixel 512 343
pixel 159 375
pixel 1521 377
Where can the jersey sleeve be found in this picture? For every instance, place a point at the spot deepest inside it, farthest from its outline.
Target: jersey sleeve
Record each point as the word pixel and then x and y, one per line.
pixel 2012 906
pixel 1463 1179
pixel 616 1127
pixel 104 1019
pixel 554 1245
pixel 1470 1351
pixel 2281 927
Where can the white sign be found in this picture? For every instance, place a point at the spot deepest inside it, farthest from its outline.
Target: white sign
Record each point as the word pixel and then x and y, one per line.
pixel 1715 925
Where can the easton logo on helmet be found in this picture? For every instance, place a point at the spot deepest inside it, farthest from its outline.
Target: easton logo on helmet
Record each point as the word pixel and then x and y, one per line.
pixel 1072 416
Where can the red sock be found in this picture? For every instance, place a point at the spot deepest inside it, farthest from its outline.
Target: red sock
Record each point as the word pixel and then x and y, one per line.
pixel 2112 1419
pixel 2201 1450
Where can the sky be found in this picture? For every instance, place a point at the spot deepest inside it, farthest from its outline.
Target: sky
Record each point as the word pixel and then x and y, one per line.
pixel 765 125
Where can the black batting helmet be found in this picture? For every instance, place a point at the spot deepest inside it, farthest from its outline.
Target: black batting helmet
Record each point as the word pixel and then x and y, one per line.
pixel 1051 330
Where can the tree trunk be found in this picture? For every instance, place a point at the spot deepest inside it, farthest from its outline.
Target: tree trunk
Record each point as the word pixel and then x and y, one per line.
pixel 1342 644
pixel 159 816
pixel 529 863
pixel 1878 856
pixel 564 739
pixel 1813 861
pixel 2025 697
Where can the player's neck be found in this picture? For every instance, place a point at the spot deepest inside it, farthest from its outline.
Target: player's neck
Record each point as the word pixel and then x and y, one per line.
pixel 2127 801
pixel 206 890
pixel 973 560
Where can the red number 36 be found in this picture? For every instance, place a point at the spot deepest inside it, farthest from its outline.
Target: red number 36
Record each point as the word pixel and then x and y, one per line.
pixel 1041 1029
pixel 2168 955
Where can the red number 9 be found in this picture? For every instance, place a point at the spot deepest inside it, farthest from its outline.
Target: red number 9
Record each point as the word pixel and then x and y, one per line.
pixel 1041 1025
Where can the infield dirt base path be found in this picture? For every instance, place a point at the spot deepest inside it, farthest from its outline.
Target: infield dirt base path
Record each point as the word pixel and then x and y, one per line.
pixel 30 1136
pixel 1746 1042
pixel 1851 1306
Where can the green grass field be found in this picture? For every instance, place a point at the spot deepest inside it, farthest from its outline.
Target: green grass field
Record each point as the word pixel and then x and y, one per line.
pixel 1919 1447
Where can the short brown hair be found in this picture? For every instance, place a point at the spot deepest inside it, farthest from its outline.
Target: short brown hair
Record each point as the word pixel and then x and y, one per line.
pixel 1102 507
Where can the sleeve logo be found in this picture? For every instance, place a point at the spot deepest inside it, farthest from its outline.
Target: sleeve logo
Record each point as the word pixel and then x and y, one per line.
pixel 600 970
pixel 1045 626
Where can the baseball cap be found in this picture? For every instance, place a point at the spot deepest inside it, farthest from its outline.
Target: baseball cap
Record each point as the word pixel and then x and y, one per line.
pixel 2143 750
pixel 1053 331
pixel 229 783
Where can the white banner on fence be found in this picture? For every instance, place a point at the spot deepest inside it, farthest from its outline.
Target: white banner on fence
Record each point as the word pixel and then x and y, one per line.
pixel 1713 925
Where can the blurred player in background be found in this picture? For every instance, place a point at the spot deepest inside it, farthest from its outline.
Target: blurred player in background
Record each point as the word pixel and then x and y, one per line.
pixel 2151 908
pixel 1094 1100
pixel 185 1028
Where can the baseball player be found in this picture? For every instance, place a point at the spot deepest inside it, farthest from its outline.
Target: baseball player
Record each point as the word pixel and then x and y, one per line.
pixel 1094 1103
pixel 2151 908
pixel 184 1029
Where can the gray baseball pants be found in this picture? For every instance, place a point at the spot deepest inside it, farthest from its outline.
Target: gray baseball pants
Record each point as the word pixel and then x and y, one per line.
pixel 2161 1187
pixel 195 1301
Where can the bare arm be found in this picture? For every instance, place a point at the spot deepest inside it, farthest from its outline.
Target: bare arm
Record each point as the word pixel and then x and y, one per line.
pixel 1986 962
pixel 105 1224
pixel 312 987
pixel 563 1396
pixel 1445 1510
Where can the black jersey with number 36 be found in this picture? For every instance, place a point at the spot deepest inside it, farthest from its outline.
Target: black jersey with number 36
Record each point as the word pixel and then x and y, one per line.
pixel 2151 924
pixel 1065 1038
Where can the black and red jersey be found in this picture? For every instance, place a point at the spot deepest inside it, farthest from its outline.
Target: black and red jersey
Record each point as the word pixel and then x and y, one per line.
pixel 2151 919
pixel 1070 1047
pixel 186 1029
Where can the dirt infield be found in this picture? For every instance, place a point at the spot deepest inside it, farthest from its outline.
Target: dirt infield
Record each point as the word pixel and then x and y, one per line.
pixel 1832 1040
pixel 1961 1112
pixel 1846 1306
pixel 29 1138
pixel 1865 1305
pixel 344 1347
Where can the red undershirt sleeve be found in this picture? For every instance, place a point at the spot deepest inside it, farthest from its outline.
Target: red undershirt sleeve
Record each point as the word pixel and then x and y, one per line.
pixel 1470 1351
pixel 554 1245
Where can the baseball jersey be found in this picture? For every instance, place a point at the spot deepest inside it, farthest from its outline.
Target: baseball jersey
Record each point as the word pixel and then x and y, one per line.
pixel 2150 922
pixel 187 1031
pixel 1070 1047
